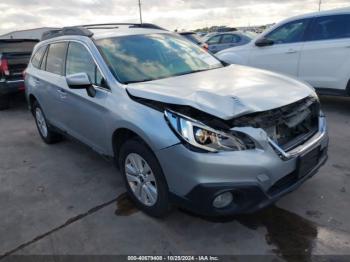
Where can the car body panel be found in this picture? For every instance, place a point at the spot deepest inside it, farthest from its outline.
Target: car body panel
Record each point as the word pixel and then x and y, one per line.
pixel 325 64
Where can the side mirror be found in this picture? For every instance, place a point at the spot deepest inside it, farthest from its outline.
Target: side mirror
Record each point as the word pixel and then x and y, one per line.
pixel 263 42
pixel 81 81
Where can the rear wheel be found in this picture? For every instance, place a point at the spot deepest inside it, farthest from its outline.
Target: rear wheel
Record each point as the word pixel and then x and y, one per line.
pixel 45 131
pixel 144 178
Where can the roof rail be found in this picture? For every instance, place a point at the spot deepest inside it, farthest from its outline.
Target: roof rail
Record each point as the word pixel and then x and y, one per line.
pixel 83 30
pixel 115 25
pixel 72 30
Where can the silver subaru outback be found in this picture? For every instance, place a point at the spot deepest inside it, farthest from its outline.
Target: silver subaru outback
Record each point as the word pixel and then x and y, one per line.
pixel 184 128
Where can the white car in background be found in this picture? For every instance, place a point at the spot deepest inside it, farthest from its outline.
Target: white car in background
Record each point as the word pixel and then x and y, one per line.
pixel 313 47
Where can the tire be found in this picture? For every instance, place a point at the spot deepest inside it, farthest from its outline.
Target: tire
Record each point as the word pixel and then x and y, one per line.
pixel 4 102
pixel 150 181
pixel 45 130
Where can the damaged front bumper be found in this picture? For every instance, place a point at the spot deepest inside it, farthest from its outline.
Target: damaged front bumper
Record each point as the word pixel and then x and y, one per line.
pixel 319 136
pixel 256 177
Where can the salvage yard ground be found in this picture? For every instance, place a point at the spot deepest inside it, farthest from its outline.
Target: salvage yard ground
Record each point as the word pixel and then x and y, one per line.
pixel 66 199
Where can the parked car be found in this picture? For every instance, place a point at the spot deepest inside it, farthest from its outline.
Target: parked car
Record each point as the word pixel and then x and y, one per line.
pixel 14 58
pixel 313 47
pixel 194 38
pixel 184 128
pixel 220 41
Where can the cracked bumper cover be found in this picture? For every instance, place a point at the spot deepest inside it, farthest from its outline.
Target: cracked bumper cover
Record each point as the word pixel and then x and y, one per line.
pixel 249 197
pixel 195 179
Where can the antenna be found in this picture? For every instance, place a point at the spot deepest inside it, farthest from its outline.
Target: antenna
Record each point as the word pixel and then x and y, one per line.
pixel 319 5
pixel 140 11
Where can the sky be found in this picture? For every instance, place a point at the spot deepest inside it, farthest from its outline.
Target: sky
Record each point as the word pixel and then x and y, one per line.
pixel 170 14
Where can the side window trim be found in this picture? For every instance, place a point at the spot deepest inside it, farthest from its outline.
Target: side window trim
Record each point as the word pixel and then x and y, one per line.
pixel 44 58
pixel 308 31
pixel 97 67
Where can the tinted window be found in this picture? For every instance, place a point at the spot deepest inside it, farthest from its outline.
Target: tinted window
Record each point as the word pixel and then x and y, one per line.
pixel 289 33
pixel 55 58
pixel 230 38
pixel 79 60
pixel 227 39
pixel 331 27
pixel 139 58
pixel 36 60
pixel 214 40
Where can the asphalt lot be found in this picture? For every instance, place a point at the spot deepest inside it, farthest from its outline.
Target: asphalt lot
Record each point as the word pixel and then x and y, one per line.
pixel 66 199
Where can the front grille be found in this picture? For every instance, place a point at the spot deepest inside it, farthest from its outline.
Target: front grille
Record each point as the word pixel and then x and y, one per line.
pixel 288 126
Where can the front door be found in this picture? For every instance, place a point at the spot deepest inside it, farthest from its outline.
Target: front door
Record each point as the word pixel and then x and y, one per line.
pixel 283 56
pixel 86 116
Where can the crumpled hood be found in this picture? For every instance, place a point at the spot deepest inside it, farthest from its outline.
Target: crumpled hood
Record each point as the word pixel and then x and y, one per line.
pixel 225 92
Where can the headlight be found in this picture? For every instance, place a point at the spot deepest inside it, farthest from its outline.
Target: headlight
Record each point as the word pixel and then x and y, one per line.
pixel 201 136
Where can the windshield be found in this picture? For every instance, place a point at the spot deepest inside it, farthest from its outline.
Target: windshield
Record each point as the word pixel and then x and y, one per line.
pixel 139 58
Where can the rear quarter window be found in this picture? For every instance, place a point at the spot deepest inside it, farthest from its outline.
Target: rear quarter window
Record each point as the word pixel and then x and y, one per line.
pixel 55 58
pixel 37 57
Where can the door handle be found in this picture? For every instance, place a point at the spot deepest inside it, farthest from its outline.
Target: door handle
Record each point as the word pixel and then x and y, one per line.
pixel 62 92
pixel 291 51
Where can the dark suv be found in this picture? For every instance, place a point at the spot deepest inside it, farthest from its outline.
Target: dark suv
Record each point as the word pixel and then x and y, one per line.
pixel 14 58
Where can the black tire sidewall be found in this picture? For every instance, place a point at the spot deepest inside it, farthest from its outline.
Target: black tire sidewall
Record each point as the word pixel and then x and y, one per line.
pixel 161 207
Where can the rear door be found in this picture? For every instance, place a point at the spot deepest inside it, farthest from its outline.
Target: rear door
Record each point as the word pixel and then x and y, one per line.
pixel 283 56
pixel 51 80
pixel 85 116
pixel 325 58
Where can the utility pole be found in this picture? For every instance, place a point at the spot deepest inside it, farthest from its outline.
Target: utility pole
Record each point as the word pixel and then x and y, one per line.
pixel 319 5
pixel 140 11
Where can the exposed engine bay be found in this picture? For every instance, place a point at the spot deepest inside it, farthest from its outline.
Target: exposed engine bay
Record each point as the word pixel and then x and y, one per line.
pixel 287 126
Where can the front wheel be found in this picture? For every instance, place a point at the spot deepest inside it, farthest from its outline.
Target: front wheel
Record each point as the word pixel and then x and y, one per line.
pixel 144 178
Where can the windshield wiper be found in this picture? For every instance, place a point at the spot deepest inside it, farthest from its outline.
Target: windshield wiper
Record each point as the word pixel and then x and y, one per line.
pixel 195 71
pixel 137 81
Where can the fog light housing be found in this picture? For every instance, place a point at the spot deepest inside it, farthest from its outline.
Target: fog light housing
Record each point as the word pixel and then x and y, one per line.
pixel 223 200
